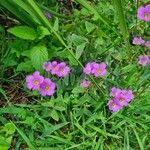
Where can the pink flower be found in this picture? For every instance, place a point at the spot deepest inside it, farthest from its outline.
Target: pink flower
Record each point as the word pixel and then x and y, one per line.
pixel 144 60
pixel 47 66
pixel 115 92
pixel 88 68
pixel 47 87
pixel 99 69
pixel 128 95
pixel 138 41
pixel 33 81
pixel 54 67
pixel 63 70
pixel 147 44
pixel 85 83
pixel 121 100
pixel 114 106
pixel 95 69
pixel 144 13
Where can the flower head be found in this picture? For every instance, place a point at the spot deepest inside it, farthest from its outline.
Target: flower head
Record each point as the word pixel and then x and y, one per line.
pixel 54 67
pixel 47 66
pixel 48 15
pixel 99 69
pixel 33 81
pixel 147 44
pixel 128 95
pixel 115 92
pixel 144 13
pixel 114 106
pixel 85 83
pixel 63 70
pixel 138 41
pixel 144 60
pixel 121 100
pixel 47 87
pixel 88 68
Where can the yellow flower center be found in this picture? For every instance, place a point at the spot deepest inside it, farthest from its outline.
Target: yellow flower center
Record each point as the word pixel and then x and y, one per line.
pixel 47 87
pixel 55 68
pixel 36 82
pixel 98 70
pixel 62 70
pixel 113 105
pixel 146 15
pixel 144 61
pixel 121 100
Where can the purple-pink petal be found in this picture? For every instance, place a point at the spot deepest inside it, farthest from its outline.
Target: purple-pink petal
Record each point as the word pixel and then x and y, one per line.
pixel 144 60
pixel 85 83
pixel 114 106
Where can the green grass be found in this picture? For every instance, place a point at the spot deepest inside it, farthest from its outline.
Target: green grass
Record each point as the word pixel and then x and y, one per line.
pixel 74 118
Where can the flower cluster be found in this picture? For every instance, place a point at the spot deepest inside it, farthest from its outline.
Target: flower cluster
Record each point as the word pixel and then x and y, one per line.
pixel 120 99
pixel 38 82
pixel 140 41
pixel 96 69
pixel 144 13
pixel 144 60
pixel 55 68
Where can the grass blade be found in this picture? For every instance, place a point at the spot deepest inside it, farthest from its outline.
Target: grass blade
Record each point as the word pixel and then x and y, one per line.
pixel 121 18
pixel 24 137
pixel 138 139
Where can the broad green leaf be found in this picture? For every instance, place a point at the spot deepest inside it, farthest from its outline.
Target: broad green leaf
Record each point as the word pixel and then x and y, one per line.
pixel 77 90
pixel 42 32
pixel 89 26
pixel 39 55
pixel 54 115
pixel 23 32
pixel 79 50
pixel 25 66
pixel 78 40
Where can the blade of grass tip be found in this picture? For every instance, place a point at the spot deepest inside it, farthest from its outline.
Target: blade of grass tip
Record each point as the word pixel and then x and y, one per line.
pixel 138 139
pixel 121 18
pixel 24 137
pixel 127 145
pixel 48 25
pixel 94 11
pixel 26 8
pixel 23 16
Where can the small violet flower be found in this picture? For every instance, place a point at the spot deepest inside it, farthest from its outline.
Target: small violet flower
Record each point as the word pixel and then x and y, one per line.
pixel 33 81
pixel 99 69
pixel 144 60
pixel 47 66
pixel 138 41
pixel 54 67
pixel 48 15
pixel 96 69
pixel 121 98
pixel 115 92
pixel 47 87
pixel 88 68
pixel 147 44
pixel 63 70
pixel 113 106
pixel 85 83
pixel 144 13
